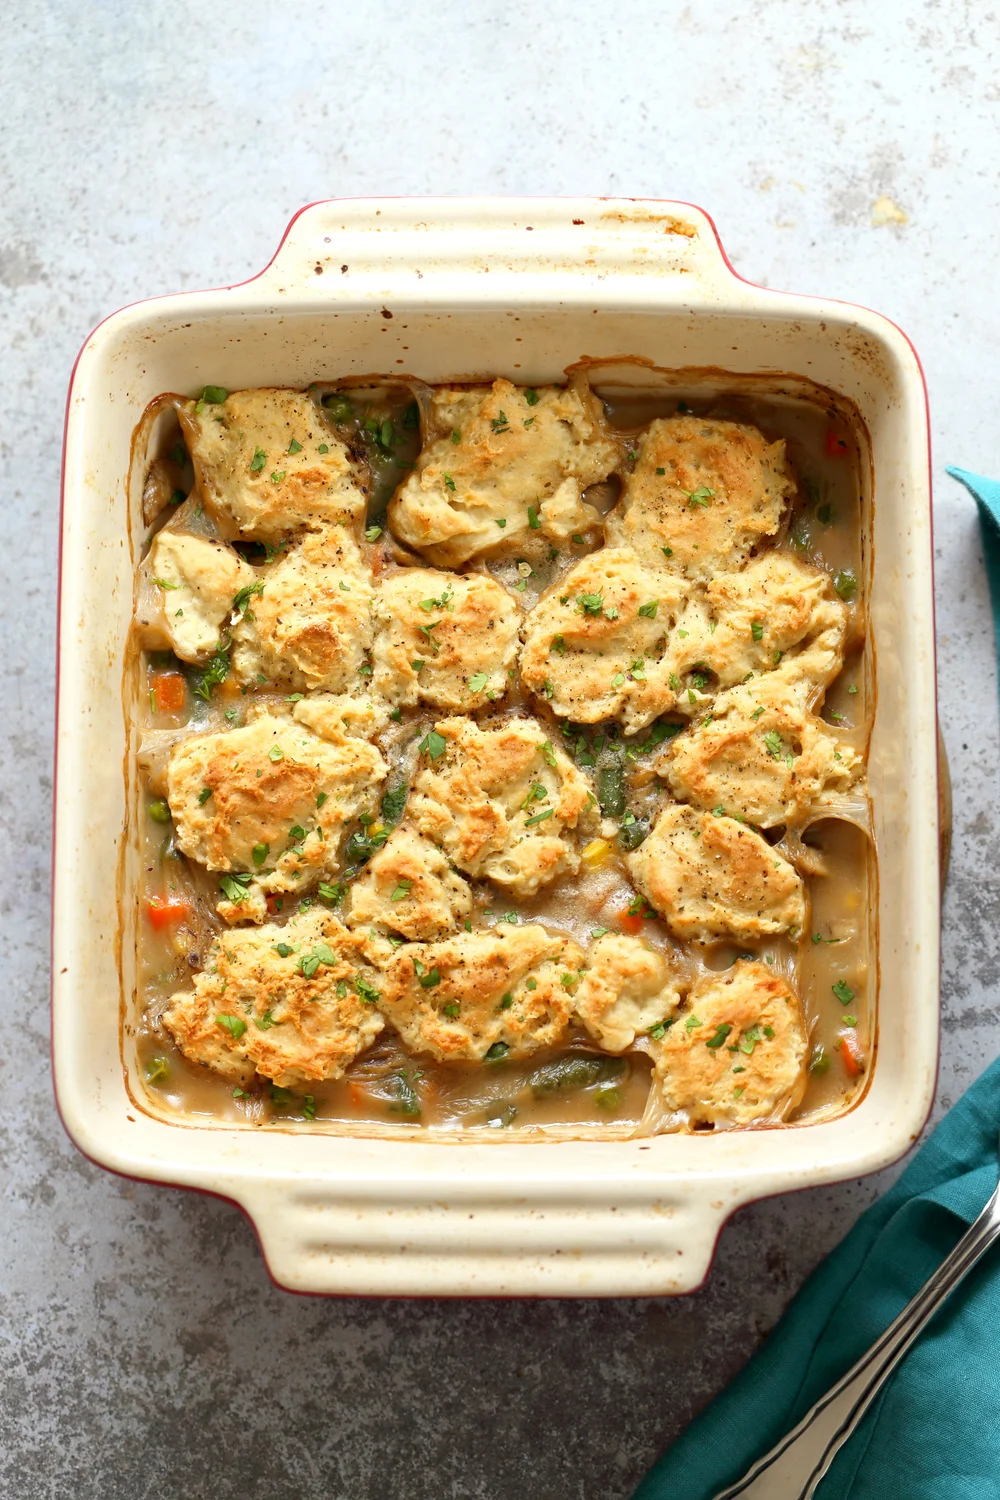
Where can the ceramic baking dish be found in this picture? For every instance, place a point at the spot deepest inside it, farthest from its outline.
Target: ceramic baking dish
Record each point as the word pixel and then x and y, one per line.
pixel 443 289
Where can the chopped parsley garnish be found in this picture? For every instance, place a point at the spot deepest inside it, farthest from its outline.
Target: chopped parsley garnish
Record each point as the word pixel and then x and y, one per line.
pixel 242 599
pixel 451 1009
pixel 235 1025
pixel 757 630
pixel 701 496
pixel 590 604
pixel 277 476
pixel 216 671
pixel 497 1052
pixel 456 436
pixel 429 978
pixel 276 753
pixel 233 887
pixel 449 482
pixel 258 461
pixel 692 1023
pixel 648 611
pixel 284 950
pixel 259 854
pixel 500 423
pixel 212 395
pixel 266 1021
pixel 846 584
pixel 502 522
pixel 443 601
pixel 402 890
pixel 773 742
pixel 394 801
pixel 558 645
pixel 715 1041
pixel 533 520
pixel 667 551
pixel 531 396
pixel 310 962
pixel 204 795
pixel 366 990
pixel 539 817
pixel 332 894
pixel 165 583
pixel 372 533
pixel 477 682
pixel 320 799
pixel 843 991
pixel 433 745
pixel 825 514
pixel 618 680
pixel 548 754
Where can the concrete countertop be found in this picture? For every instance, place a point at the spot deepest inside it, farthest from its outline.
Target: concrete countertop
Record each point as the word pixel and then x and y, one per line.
pixel 148 149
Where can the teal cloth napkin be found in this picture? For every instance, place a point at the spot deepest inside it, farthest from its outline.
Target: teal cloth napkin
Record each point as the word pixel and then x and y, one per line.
pixel 933 1432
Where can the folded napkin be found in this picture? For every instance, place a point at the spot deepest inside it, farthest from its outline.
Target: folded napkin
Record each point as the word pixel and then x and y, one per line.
pixel 933 1432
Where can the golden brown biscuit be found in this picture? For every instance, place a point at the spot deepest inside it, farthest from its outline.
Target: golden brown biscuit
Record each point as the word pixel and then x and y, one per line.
pixel 295 1003
pixel 760 755
pixel 268 464
pixel 486 994
pixel 409 887
pixel 310 624
pixel 628 987
pixel 443 639
pixel 198 579
pixel 736 1054
pixel 502 802
pixel 712 877
pixel 270 800
pixel 777 615
pixel 521 462
pixel 701 495
pixel 601 643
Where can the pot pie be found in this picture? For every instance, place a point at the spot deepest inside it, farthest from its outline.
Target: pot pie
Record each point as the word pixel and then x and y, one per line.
pixel 502 753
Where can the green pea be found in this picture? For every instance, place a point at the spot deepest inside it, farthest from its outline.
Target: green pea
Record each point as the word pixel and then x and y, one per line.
pixel 159 811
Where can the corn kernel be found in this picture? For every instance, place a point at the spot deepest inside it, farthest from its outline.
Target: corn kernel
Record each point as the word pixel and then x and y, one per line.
pixel 596 854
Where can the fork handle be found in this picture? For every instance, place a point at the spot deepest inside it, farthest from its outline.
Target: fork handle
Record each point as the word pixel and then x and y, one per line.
pixel 794 1466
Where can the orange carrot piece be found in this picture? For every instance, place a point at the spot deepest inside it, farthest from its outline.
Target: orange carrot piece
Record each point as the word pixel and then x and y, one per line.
pixel 168 912
pixel 169 692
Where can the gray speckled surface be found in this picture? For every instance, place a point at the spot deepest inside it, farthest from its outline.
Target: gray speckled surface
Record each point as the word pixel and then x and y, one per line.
pixel 153 148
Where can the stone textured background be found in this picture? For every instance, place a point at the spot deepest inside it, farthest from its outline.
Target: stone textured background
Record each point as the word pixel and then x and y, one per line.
pixel 844 149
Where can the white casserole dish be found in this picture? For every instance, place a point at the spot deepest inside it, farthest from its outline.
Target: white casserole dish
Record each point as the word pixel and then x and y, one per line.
pixel 445 289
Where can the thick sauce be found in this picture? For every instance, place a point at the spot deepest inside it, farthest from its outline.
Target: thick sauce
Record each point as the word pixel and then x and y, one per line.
pixel 575 1088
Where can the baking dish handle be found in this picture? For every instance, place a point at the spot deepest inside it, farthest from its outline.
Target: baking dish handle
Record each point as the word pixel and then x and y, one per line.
pixel 340 246
pixel 475 1236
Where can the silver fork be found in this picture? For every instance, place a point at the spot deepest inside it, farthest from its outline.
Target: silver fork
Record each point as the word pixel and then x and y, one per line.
pixel 794 1467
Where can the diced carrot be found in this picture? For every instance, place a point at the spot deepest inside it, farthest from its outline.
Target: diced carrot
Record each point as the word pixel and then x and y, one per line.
pixel 274 904
pixel 166 913
pixel 631 924
pixel 836 446
pixel 169 692
pixel 356 1094
pixel 851 1053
